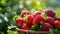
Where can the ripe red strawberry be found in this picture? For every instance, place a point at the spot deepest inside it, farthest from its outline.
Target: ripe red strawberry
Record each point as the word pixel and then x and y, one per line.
pixel 25 27
pixel 30 19
pixel 50 20
pixel 19 21
pixel 38 19
pixel 58 18
pixel 25 12
pixel 46 26
pixel 36 13
pixel 50 13
pixel 57 23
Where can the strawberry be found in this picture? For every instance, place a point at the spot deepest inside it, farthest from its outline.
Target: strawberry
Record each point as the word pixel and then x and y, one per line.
pixel 19 21
pixel 46 26
pixel 38 19
pixel 36 13
pixel 30 19
pixel 57 23
pixel 58 18
pixel 25 27
pixel 50 20
pixel 25 12
pixel 50 13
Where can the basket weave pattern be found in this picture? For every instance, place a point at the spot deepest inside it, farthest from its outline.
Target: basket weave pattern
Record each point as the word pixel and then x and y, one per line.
pixel 31 32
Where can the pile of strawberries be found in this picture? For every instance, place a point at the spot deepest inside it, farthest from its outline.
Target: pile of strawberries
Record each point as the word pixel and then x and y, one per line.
pixel 36 20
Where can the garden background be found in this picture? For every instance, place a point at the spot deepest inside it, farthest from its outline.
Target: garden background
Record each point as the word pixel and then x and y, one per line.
pixel 10 9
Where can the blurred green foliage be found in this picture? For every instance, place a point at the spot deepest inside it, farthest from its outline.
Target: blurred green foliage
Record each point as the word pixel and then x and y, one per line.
pixel 12 32
pixel 11 8
pixel 58 11
pixel 6 14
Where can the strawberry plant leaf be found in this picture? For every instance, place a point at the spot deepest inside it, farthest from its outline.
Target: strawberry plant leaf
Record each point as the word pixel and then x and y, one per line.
pixel 54 31
pixel 44 15
pixel 51 31
pixel 25 17
pixel 36 27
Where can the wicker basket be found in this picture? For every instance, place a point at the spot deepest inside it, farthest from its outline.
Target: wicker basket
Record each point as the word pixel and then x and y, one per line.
pixel 31 32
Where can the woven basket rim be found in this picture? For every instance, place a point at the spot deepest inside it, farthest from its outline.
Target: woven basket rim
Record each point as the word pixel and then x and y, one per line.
pixel 32 31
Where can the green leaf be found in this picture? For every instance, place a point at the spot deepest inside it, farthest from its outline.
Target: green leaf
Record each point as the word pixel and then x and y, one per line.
pixel 16 16
pixel 51 31
pixel 36 27
pixel 3 1
pixel 0 9
pixel 54 31
pixel 12 32
pixel 25 17
pixel 44 15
